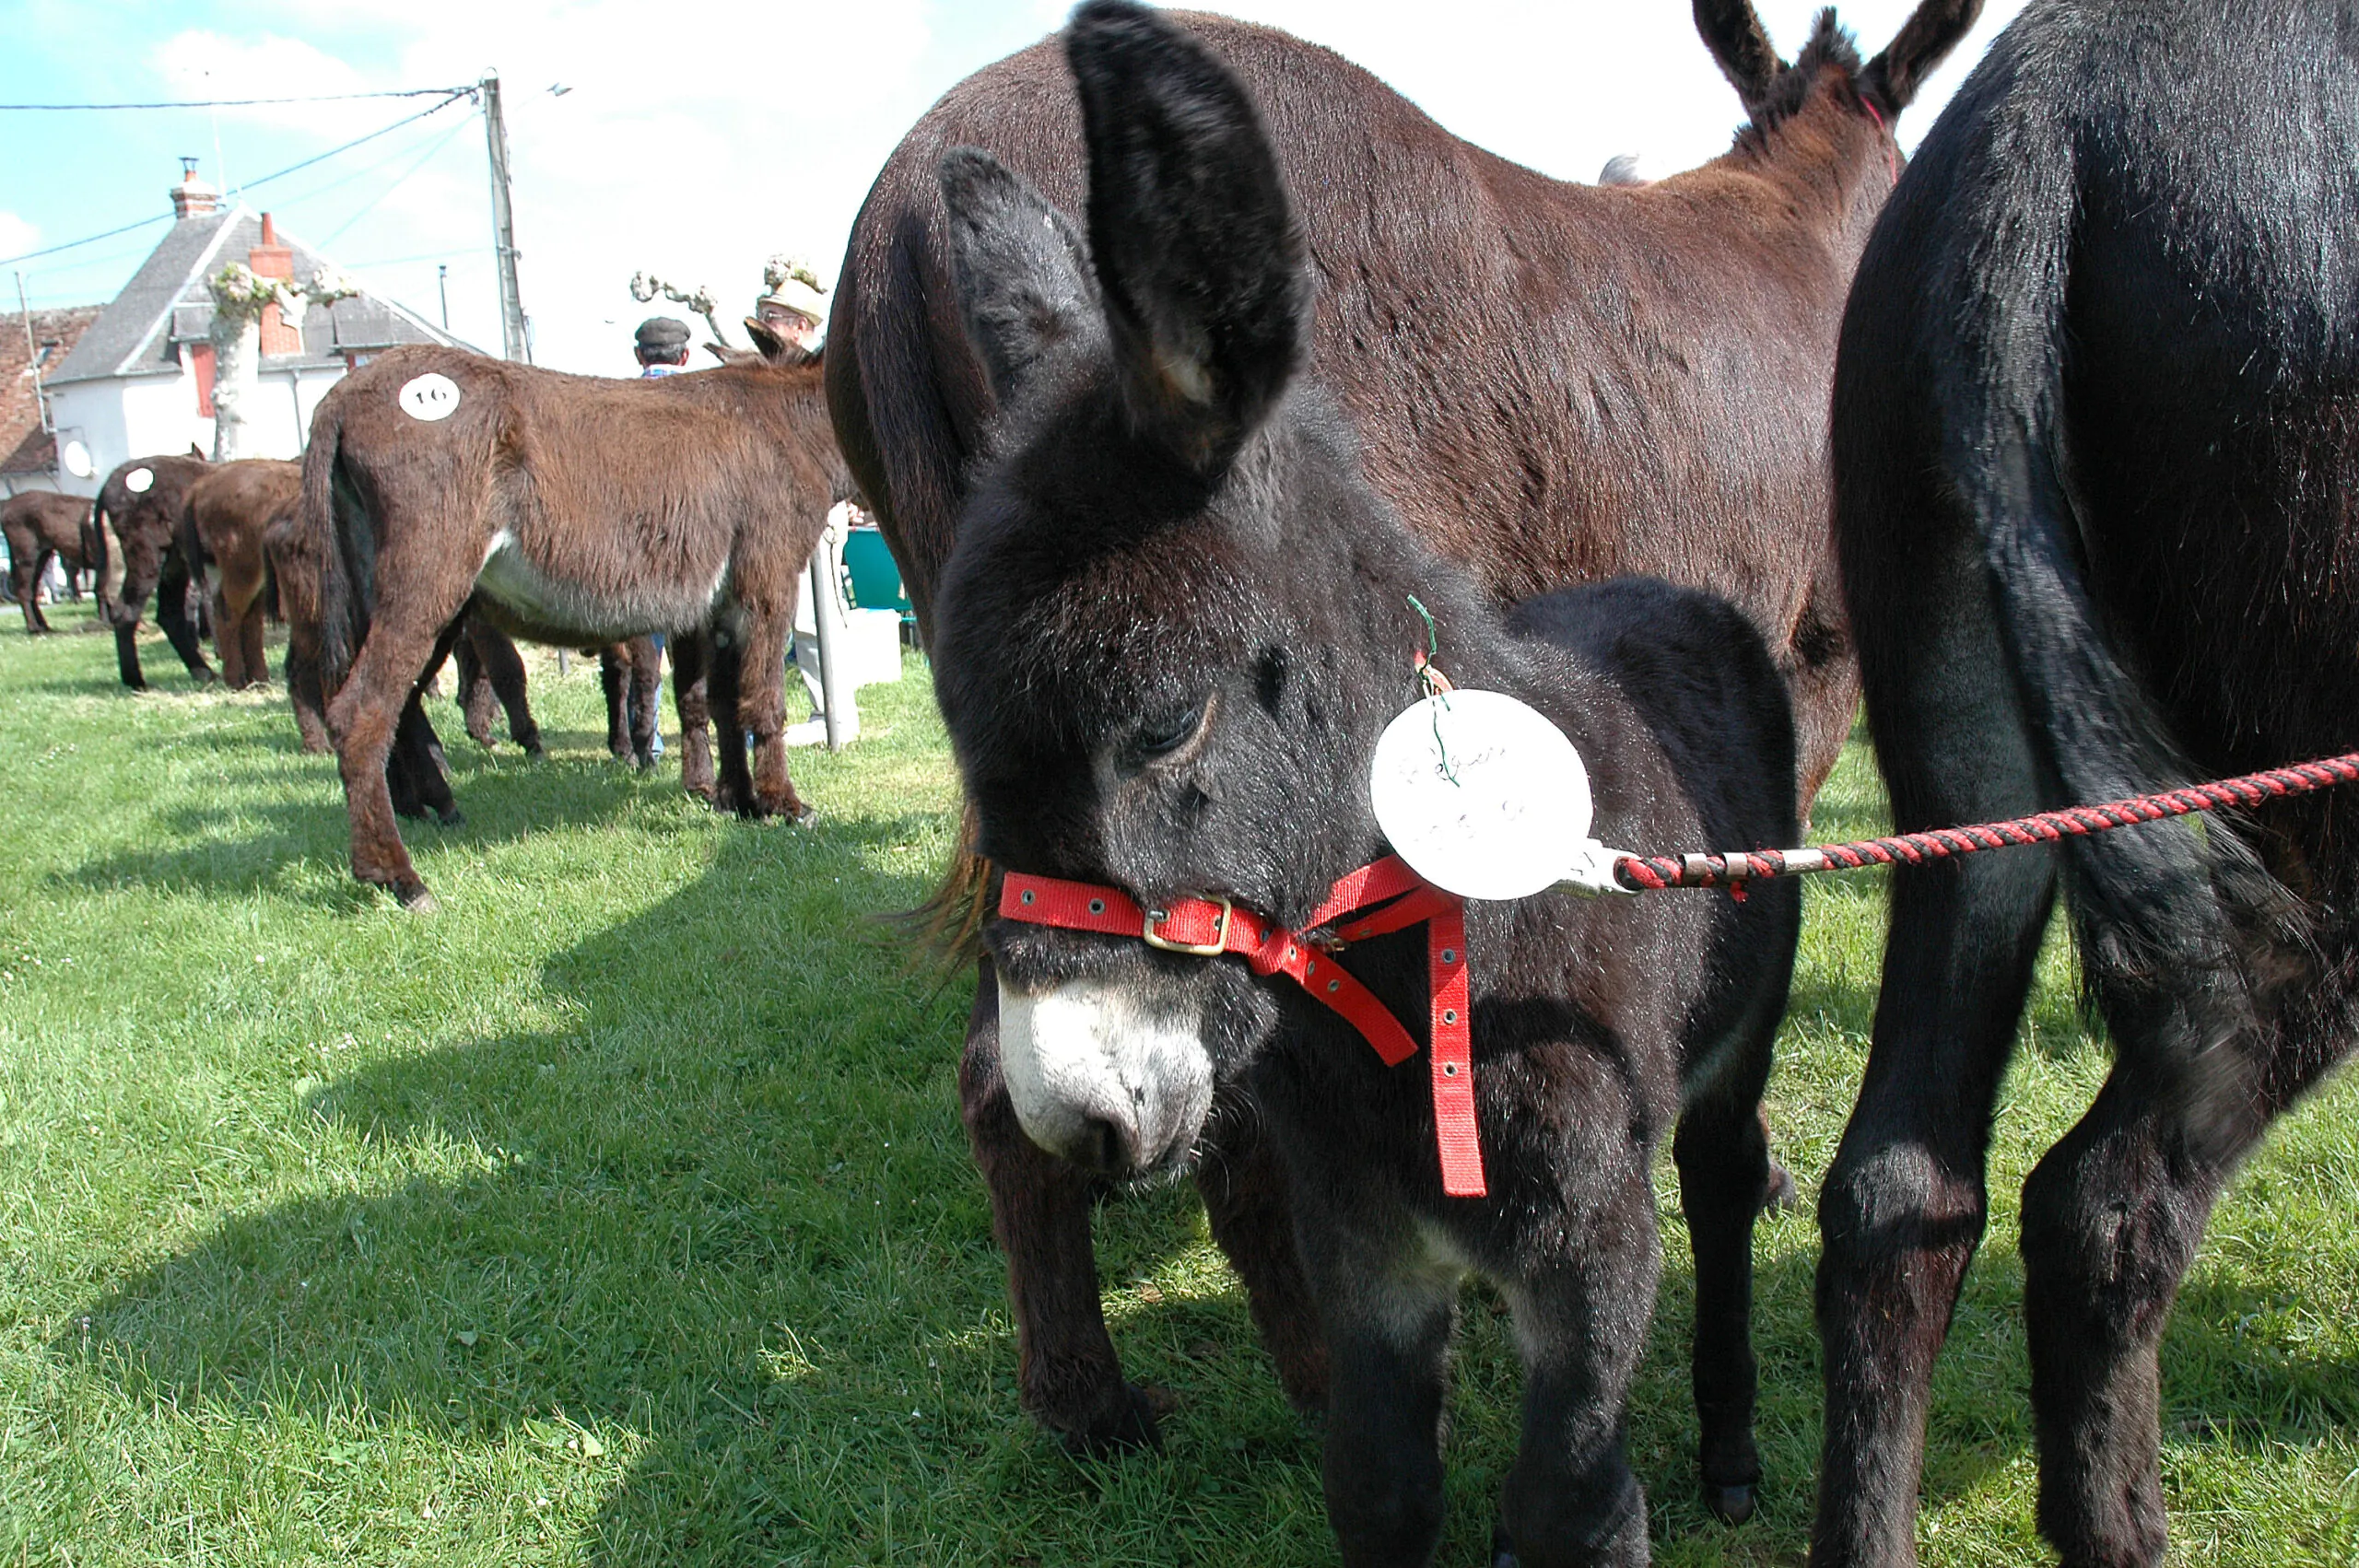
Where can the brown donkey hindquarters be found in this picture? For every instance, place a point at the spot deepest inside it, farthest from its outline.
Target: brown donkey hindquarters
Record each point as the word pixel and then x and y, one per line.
pixel 572 510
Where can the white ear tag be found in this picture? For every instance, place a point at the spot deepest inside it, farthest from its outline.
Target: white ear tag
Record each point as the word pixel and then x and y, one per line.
pixel 429 397
pixel 139 480
pixel 1485 798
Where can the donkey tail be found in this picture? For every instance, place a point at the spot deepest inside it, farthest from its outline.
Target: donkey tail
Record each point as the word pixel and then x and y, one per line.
pixel 334 529
pixel 2166 914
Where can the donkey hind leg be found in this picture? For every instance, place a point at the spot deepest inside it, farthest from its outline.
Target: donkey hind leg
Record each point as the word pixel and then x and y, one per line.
pixel 1388 1319
pixel 171 614
pixel 414 621
pixel 2112 1217
pixel 126 657
pixel 691 677
pixel 28 591
pixel 646 697
pixel 724 683
pixel 1068 1376
pixel 476 701
pixel 1244 1188
pixel 1904 1206
pixel 503 666
pixel 614 682
pixel 761 710
pixel 250 641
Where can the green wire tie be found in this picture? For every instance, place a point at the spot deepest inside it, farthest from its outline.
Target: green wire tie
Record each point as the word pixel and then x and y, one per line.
pixel 1430 678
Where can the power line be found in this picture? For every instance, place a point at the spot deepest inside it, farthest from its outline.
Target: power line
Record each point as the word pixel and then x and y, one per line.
pixel 219 102
pixel 452 95
pixel 395 183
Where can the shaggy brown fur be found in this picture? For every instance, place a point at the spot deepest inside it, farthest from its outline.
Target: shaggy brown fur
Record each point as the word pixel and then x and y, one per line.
pixel 573 509
pixel 221 527
pixel 40 525
pixel 1551 384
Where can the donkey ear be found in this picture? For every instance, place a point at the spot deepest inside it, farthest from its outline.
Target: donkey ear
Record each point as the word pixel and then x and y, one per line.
pixel 1198 254
pixel 1732 30
pixel 1022 270
pixel 1925 39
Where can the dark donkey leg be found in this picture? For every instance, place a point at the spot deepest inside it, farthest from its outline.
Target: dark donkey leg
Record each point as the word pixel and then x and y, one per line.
pixel 614 680
pixel 724 683
pixel 691 661
pixel 475 702
pixel 1387 1320
pixel 171 614
pixel 646 697
pixel 1067 1375
pixel 1904 1206
pixel 2112 1217
pixel 28 587
pixel 761 708
pixel 1244 1188
pixel 503 666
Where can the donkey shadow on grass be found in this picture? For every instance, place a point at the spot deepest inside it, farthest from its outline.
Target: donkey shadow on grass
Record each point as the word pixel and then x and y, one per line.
pixel 725 1223
pixel 249 836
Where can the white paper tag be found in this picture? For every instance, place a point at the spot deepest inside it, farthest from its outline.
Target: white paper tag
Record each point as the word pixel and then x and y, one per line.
pixel 1481 795
pixel 429 397
pixel 139 480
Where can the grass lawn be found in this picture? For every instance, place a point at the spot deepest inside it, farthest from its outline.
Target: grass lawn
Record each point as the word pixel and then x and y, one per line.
pixel 621 1212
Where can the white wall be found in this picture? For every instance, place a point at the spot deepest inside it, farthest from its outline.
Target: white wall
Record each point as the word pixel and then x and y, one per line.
pixel 143 416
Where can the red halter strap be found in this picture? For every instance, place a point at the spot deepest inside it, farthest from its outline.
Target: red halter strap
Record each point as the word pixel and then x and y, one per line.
pixel 1209 926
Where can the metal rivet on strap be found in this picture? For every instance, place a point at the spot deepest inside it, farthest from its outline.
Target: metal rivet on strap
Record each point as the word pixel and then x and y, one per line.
pixel 1311 968
pixel 1449 1070
pixel 1098 906
pixel 1289 952
pixel 1334 985
pixel 1028 896
pixel 1449 956
pixel 1450 1016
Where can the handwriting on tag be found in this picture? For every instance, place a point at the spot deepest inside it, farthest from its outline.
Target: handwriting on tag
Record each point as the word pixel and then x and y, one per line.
pixel 429 397
pixel 1480 794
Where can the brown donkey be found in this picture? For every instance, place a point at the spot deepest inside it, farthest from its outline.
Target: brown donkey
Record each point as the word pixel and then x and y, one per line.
pixel 135 548
pixel 1551 384
pixel 38 525
pixel 222 528
pixel 572 510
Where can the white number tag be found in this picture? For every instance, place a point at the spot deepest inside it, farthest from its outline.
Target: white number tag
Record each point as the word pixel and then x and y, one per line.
pixel 1485 798
pixel 139 480
pixel 429 397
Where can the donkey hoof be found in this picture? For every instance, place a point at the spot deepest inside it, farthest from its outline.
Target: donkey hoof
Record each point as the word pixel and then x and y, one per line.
pixel 451 818
pixel 1502 1548
pixel 417 899
pixel 804 815
pixel 1781 1194
pixel 1730 1504
pixel 1125 1424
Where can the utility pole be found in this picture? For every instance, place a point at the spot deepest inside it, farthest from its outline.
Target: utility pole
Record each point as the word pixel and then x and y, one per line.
pixel 442 282
pixel 32 355
pixel 514 345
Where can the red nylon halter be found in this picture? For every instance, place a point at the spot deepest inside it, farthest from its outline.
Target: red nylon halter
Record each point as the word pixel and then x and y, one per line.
pixel 1208 927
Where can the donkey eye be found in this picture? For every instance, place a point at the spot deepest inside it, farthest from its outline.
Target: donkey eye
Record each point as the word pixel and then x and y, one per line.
pixel 1161 737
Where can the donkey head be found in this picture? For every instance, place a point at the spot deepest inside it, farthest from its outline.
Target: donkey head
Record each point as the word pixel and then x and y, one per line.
pixel 1175 619
pixel 1774 90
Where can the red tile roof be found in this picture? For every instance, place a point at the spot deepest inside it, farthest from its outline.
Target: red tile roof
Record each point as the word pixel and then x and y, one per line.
pixel 27 447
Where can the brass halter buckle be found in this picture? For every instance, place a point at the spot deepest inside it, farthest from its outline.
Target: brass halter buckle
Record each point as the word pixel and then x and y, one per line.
pixel 1211 949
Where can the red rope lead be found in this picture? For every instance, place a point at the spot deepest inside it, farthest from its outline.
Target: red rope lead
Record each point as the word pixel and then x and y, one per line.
pixel 1650 872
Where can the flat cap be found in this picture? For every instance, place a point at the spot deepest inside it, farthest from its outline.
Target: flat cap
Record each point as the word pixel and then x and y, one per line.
pixel 662 334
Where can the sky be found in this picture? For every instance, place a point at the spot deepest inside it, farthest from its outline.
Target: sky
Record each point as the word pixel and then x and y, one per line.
pixel 696 139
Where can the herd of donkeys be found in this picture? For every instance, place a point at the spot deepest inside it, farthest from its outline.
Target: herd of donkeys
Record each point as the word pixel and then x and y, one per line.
pixel 1216 404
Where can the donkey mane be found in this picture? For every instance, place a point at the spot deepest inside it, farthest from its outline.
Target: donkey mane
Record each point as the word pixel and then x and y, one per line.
pixel 1830 44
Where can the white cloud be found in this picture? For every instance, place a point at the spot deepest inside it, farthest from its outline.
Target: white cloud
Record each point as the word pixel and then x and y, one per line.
pixel 16 236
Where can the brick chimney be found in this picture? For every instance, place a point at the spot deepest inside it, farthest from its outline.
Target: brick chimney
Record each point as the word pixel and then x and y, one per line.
pixel 271 259
pixel 193 197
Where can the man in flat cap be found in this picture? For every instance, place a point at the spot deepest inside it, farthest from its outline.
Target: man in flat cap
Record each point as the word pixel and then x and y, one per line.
pixel 661 344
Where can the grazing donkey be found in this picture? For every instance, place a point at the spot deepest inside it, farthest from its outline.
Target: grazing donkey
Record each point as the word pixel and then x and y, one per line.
pixel 1551 382
pixel 221 527
pixel 2097 440
pixel 571 509
pixel 1175 622
pixel 135 551
pixel 42 526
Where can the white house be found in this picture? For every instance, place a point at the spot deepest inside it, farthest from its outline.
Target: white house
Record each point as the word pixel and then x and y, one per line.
pixel 140 381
